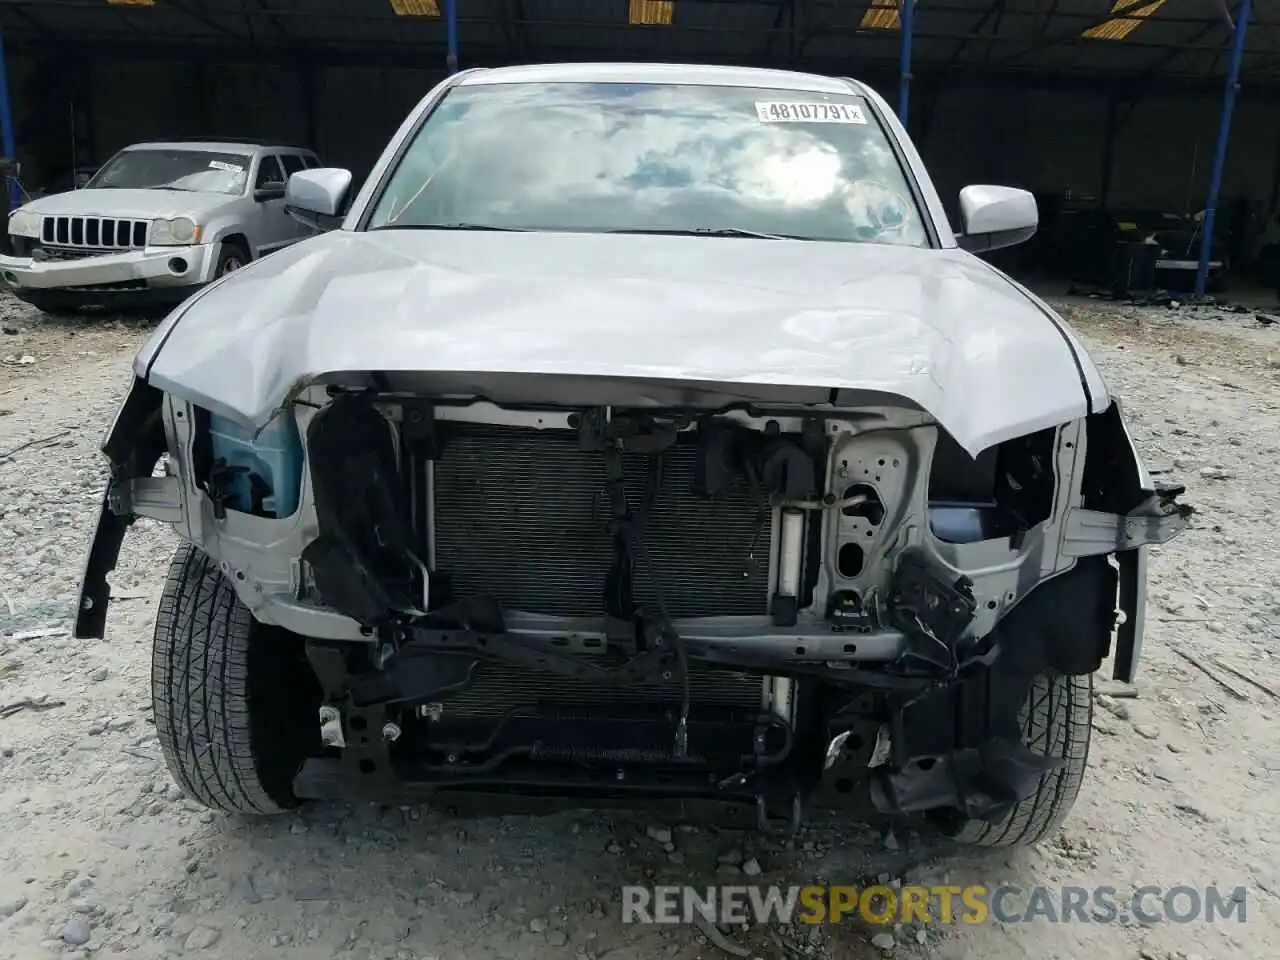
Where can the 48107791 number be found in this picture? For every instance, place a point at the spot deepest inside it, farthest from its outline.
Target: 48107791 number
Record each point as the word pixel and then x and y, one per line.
pixel 809 112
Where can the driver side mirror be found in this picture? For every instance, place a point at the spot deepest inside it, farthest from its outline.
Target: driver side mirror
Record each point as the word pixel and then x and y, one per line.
pixel 274 191
pixel 996 217
pixel 317 198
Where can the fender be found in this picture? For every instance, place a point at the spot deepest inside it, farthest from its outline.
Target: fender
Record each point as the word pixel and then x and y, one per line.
pixel 133 446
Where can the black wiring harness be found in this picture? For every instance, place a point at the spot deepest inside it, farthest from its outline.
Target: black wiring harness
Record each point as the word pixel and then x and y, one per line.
pixel 598 431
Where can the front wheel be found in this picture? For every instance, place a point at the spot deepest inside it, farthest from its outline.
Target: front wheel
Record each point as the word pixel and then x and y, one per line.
pixel 231 257
pixel 1057 720
pixel 235 702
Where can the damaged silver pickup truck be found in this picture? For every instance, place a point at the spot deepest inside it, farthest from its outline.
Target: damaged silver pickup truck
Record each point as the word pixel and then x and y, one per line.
pixel 645 433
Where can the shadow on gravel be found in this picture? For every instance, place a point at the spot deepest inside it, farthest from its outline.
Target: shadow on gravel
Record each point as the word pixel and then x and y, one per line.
pixel 363 880
pixel 82 320
pixel 26 331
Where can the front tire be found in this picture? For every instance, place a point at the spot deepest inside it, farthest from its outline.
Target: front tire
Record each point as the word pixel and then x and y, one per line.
pixel 1057 721
pixel 231 257
pixel 235 701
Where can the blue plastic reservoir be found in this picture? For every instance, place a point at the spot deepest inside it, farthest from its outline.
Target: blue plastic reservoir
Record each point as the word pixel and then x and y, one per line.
pixel 967 523
pixel 275 458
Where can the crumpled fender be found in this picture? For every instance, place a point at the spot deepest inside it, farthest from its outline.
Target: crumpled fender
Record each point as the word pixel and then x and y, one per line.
pixel 133 445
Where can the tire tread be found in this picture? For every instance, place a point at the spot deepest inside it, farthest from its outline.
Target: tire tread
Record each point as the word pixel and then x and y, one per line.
pixel 1057 721
pixel 200 689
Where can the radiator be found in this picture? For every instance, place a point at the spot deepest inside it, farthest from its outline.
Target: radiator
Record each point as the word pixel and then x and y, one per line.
pixel 521 514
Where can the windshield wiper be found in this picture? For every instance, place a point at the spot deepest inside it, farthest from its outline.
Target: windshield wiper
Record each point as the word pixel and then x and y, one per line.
pixel 451 226
pixel 709 232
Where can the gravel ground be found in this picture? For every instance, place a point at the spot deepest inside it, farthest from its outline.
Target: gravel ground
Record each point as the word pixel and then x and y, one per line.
pixel 101 857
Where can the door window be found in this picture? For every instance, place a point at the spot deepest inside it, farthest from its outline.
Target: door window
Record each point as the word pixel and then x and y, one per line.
pixel 269 173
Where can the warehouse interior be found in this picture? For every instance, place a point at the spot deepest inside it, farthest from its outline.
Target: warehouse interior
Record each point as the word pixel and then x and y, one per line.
pixel 1094 105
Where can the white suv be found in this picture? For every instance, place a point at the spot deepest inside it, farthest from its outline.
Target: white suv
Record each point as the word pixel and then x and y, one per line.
pixel 154 223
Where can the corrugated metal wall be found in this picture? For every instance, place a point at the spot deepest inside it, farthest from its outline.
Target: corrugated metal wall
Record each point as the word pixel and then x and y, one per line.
pixel 1043 140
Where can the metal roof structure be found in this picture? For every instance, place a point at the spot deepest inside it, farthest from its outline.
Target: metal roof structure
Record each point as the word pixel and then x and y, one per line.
pixel 1067 42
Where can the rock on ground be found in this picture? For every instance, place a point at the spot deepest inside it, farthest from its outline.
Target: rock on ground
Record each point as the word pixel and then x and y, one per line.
pixel 1184 787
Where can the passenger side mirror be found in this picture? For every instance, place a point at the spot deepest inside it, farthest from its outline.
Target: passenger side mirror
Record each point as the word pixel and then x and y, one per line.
pixel 317 198
pixel 273 191
pixel 996 217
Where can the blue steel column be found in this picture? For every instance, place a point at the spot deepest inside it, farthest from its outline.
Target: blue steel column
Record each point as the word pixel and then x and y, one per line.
pixel 1224 135
pixel 451 26
pixel 6 126
pixel 907 17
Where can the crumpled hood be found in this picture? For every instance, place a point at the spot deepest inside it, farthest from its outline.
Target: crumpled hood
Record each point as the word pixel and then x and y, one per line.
pixel 135 204
pixel 938 327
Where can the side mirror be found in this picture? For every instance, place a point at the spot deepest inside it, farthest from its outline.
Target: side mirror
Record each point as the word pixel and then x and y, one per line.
pixel 273 192
pixel 317 197
pixel 995 217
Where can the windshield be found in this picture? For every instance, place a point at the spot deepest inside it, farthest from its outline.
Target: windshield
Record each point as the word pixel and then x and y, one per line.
pixel 612 157
pixel 156 169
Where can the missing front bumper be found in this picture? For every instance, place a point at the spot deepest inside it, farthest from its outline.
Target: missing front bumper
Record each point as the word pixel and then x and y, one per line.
pixel 548 794
pixel 954 736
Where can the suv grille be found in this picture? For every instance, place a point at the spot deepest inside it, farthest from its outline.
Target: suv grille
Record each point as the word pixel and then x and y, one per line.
pixel 100 233
pixel 66 253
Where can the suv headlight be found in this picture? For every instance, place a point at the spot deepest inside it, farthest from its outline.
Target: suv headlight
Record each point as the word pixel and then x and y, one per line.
pixel 24 223
pixel 177 232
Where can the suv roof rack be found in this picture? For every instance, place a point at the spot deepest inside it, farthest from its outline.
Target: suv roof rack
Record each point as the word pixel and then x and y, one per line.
pixel 248 141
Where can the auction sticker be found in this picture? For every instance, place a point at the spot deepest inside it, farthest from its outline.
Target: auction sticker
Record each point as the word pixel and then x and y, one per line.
pixel 225 167
pixel 811 112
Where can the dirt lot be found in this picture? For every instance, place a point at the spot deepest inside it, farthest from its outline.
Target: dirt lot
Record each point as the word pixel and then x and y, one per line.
pixel 100 856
